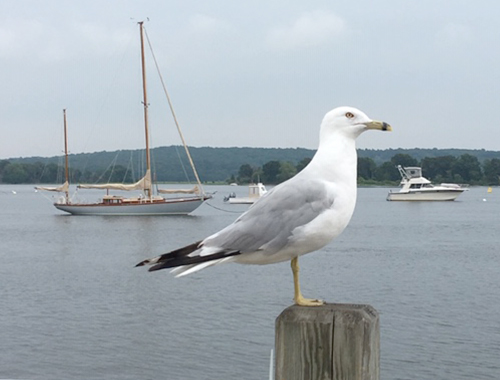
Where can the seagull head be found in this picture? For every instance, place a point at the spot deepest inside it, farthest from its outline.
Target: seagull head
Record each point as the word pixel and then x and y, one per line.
pixel 350 122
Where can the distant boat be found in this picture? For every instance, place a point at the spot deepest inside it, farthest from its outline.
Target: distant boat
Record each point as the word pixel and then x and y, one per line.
pixel 255 191
pixel 147 203
pixel 414 187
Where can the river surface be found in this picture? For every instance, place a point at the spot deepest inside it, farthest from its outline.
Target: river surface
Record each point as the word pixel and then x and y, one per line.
pixel 73 307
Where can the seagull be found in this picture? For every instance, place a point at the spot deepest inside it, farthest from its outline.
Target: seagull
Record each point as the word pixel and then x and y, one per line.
pixel 298 216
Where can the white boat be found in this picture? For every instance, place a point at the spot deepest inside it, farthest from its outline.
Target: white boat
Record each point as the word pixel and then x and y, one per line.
pixel 414 187
pixel 147 203
pixel 255 191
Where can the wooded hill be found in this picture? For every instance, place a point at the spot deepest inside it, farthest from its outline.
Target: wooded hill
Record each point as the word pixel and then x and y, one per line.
pixel 213 164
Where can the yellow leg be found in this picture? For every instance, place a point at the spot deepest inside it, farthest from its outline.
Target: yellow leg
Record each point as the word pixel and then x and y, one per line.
pixel 298 298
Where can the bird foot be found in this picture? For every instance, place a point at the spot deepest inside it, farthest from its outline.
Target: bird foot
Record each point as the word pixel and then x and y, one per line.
pixel 301 301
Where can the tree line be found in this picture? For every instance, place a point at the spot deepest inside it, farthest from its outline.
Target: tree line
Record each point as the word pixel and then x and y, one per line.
pixel 465 168
pixel 38 172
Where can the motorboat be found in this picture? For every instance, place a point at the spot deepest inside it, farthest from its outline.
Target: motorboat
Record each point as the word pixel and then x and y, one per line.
pixel 414 187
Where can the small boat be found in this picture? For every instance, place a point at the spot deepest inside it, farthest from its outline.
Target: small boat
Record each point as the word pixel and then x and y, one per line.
pixel 146 203
pixel 255 191
pixel 414 187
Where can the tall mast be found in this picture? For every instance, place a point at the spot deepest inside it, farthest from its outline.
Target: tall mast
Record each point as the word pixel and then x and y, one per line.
pixel 66 170
pixel 175 120
pixel 145 101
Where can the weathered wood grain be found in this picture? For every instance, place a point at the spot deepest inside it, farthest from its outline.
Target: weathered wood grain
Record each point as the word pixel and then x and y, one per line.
pixel 330 342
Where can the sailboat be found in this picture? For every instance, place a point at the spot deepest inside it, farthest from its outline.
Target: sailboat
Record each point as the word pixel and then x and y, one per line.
pixel 147 203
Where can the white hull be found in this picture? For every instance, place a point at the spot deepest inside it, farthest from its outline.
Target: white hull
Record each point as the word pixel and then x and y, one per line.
pixel 167 207
pixel 432 195
pixel 246 201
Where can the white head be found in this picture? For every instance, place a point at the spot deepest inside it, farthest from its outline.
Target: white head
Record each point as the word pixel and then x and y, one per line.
pixel 349 122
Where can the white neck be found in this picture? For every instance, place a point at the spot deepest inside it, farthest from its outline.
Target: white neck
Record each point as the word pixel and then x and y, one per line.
pixel 336 159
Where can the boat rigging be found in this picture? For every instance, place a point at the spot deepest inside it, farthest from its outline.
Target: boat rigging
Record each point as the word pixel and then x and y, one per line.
pixel 147 203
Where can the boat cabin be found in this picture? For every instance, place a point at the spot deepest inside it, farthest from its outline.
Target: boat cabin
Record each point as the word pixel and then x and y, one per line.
pixel 256 190
pixel 420 185
pixel 411 178
pixel 413 172
pixel 112 199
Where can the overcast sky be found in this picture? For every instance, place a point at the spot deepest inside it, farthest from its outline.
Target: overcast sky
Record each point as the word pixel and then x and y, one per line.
pixel 248 73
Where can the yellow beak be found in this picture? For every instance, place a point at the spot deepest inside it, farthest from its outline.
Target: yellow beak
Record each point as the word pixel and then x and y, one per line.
pixel 378 125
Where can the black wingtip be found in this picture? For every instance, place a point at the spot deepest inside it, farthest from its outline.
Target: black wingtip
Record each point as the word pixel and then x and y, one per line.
pixel 181 252
pixel 141 264
pixel 154 268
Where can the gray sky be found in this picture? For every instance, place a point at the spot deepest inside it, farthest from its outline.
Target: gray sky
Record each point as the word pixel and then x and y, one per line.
pixel 248 73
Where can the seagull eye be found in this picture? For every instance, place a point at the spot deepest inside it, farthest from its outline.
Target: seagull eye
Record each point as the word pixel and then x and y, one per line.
pixel 349 115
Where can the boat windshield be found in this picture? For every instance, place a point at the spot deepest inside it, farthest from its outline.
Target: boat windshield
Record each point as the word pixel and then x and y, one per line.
pixel 413 172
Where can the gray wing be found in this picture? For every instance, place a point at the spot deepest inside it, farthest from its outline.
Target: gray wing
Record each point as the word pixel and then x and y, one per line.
pixel 271 221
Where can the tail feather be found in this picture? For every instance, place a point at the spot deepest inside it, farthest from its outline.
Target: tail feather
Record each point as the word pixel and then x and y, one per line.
pixel 178 271
pixel 188 269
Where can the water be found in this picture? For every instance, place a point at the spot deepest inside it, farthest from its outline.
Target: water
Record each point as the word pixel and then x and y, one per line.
pixel 73 307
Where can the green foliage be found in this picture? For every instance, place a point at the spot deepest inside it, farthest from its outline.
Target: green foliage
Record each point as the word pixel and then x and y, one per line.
pixel 270 172
pixel 387 172
pixel 439 168
pixel 303 163
pixel 287 171
pixel 492 171
pixel 366 168
pixel 465 168
pixel 3 164
pixel 120 174
pixel 468 168
pixel 245 174
pixel 50 174
pixel 15 173
pixel 404 159
pixel 245 165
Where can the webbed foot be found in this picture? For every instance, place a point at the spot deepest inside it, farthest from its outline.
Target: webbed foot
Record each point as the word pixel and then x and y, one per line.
pixel 301 301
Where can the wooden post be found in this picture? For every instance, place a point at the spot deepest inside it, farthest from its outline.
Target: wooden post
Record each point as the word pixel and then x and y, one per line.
pixel 329 342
